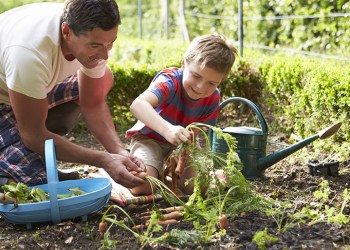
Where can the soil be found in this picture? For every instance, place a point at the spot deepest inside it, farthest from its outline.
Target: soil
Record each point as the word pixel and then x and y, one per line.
pixel 288 180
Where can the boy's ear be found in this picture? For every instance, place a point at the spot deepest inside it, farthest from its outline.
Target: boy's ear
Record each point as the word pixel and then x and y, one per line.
pixel 182 63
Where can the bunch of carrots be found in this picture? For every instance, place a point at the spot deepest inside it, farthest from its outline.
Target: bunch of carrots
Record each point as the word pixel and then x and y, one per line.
pixel 172 215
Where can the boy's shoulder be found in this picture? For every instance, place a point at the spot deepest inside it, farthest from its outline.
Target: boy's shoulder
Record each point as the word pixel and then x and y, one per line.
pixel 171 70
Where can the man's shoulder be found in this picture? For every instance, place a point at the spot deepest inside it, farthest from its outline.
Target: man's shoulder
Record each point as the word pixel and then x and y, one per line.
pixel 38 5
pixel 28 8
pixel 33 26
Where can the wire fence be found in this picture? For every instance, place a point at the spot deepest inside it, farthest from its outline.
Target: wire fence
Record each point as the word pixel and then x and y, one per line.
pixel 230 24
pixel 274 18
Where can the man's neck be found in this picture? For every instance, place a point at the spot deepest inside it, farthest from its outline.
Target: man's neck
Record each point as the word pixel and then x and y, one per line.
pixel 65 51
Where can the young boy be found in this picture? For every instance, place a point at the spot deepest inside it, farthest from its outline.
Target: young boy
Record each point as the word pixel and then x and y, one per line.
pixel 176 98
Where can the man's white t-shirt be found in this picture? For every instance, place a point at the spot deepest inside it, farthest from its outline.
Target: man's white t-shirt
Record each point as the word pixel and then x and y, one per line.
pixel 31 60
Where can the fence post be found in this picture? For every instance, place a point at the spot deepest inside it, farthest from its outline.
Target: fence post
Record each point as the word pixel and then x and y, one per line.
pixel 240 26
pixel 166 18
pixel 183 20
pixel 139 6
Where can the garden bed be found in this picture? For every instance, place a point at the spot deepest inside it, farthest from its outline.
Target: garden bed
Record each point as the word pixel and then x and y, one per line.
pixel 288 180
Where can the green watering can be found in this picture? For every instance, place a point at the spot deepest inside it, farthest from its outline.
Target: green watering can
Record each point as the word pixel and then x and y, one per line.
pixel 251 143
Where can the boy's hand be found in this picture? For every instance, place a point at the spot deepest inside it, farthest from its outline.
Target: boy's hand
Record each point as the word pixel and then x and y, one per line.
pixel 177 135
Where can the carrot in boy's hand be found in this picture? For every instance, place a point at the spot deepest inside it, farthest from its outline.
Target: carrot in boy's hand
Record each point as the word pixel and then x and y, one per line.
pixel 171 164
pixel 182 161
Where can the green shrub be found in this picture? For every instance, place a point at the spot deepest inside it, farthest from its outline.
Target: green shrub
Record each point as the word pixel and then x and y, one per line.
pixel 310 94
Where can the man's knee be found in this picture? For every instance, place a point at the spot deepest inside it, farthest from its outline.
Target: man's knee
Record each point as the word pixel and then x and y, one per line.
pixel 63 118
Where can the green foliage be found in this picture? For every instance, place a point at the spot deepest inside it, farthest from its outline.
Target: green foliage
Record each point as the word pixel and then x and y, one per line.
pixel 19 191
pixel 107 243
pixel 321 210
pixel 328 35
pixel 207 202
pixel 244 80
pixel 309 34
pixel 323 194
pixel 309 94
pixel 23 194
pixel 130 81
pixel 159 52
pixel 263 238
pixel 179 237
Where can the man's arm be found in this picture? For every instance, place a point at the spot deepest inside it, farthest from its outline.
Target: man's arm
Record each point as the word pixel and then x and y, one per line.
pixel 31 115
pixel 92 101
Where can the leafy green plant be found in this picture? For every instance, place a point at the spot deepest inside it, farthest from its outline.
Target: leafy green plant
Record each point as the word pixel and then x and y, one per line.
pixel 324 211
pixel 89 231
pixel 37 235
pixel 263 238
pixel 107 243
pixel 323 193
pixel 203 211
pixel 21 193
pixel 179 237
pixel 282 218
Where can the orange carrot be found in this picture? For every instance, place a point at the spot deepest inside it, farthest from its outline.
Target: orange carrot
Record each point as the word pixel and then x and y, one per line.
pixel 166 210
pixel 170 166
pixel 102 227
pixel 173 179
pixel 176 215
pixel 182 162
pixel 171 209
pixel 161 223
pixel 141 175
pixel 223 222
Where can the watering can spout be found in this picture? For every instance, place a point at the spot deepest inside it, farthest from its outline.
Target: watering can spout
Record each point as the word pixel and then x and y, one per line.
pixel 267 161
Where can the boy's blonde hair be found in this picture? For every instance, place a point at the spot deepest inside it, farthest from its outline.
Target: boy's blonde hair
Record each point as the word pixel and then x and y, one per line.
pixel 213 51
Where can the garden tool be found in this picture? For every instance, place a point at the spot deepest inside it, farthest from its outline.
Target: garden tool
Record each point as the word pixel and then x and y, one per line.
pixel 251 143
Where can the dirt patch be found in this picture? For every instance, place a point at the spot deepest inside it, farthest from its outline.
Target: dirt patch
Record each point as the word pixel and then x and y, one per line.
pixel 288 180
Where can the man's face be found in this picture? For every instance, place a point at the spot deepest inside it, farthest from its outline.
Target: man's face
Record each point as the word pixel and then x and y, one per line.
pixel 200 83
pixel 88 48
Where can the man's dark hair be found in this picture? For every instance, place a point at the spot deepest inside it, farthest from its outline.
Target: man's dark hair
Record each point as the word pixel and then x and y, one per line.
pixel 85 15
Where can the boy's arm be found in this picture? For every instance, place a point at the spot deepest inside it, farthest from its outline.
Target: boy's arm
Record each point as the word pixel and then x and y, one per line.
pixel 143 109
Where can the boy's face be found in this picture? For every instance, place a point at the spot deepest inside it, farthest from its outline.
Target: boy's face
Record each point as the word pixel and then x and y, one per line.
pixel 200 83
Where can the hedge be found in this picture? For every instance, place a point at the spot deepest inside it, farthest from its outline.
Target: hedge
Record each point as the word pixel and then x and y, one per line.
pixel 307 93
pixel 310 94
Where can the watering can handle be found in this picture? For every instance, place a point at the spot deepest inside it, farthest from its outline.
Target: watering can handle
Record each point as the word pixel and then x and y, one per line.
pixel 253 107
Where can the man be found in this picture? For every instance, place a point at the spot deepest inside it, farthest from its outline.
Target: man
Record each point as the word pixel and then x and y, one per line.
pixel 40 46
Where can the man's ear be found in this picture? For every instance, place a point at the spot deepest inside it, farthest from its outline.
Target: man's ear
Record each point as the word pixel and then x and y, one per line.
pixel 65 29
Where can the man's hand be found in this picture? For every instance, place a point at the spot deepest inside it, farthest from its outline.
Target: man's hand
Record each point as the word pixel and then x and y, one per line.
pixel 134 159
pixel 119 167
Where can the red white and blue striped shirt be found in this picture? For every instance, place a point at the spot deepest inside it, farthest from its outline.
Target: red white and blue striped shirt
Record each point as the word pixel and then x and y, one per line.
pixel 175 107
